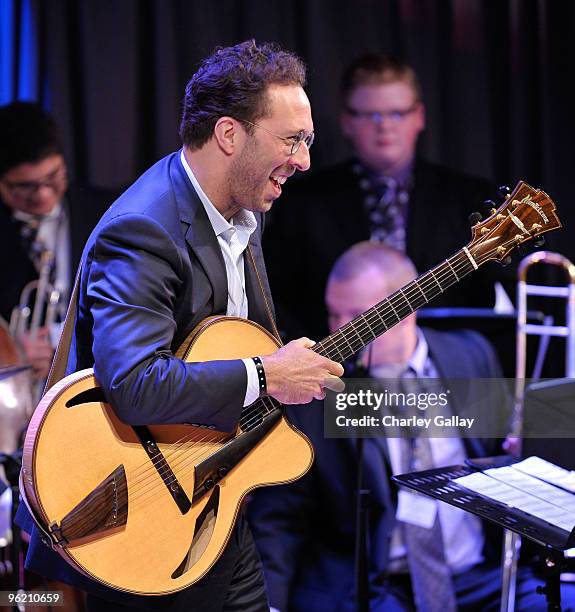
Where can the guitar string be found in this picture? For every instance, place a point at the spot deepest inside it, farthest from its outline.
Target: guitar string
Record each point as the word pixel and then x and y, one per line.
pixel 382 311
pixel 453 269
pixel 136 499
pixel 183 472
pixel 172 456
pixel 186 456
pixel 87 516
pixel 430 278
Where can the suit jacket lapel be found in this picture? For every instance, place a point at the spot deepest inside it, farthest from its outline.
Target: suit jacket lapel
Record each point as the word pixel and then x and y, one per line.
pixel 200 235
pixel 257 310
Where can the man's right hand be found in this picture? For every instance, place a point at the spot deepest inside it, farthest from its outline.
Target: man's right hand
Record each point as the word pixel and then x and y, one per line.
pixel 297 375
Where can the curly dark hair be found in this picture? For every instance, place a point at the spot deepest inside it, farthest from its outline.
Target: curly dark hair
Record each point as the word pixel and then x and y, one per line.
pixel 233 82
pixel 27 135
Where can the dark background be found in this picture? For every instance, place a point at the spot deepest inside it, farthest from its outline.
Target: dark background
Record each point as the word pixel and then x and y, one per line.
pixel 496 77
pixel 495 73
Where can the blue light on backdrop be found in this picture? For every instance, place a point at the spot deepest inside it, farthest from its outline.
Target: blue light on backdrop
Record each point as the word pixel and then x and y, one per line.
pixel 19 65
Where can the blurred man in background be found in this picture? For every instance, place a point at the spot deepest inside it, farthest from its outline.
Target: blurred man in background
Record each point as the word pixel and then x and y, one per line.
pixel 385 192
pixel 44 223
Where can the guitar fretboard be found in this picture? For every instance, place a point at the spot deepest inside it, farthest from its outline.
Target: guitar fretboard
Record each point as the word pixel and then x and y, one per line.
pixel 365 328
pixel 362 330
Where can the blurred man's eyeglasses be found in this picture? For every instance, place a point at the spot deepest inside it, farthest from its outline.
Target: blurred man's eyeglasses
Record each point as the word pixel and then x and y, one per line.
pixel 395 116
pixel 292 141
pixel 26 190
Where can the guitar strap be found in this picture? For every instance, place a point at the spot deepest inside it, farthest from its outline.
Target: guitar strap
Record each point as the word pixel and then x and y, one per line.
pixel 266 301
pixel 60 361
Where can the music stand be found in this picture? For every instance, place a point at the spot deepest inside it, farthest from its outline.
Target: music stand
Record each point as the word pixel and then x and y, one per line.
pixel 438 483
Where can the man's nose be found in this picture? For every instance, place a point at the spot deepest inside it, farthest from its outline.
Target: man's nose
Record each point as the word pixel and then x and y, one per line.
pixel 301 158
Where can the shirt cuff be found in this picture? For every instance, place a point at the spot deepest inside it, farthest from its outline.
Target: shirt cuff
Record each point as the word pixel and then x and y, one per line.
pixel 253 388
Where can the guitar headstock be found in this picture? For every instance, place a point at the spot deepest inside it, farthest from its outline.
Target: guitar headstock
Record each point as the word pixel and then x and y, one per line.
pixel 525 214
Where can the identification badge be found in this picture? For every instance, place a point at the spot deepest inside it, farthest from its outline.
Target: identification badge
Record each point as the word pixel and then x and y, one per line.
pixel 416 509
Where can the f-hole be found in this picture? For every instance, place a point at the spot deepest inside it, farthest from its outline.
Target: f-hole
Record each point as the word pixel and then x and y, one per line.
pixel 205 525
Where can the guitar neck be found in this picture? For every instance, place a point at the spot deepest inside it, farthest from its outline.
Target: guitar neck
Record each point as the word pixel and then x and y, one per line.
pixel 365 328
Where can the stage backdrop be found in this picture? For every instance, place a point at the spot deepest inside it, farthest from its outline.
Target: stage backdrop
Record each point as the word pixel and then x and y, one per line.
pixel 495 76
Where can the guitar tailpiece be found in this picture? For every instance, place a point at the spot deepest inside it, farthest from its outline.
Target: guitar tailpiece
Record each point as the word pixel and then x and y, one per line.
pixel 56 535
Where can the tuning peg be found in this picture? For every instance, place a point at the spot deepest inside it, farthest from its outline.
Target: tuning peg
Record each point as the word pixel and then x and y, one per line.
pixel 474 218
pixel 489 204
pixel 506 261
pixel 503 191
pixel 539 242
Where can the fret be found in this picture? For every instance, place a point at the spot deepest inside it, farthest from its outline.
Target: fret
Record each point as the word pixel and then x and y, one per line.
pixel 427 285
pixel 274 405
pixel 342 335
pixel 353 328
pixel 451 267
pixel 319 347
pixel 381 317
pixel 420 290
pixel 405 298
pixel 375 309
pixel 368 325
pixel 435 279
pixel 395 297
pixel 395 311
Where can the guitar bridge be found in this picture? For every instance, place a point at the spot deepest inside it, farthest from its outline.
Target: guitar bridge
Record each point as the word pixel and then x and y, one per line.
pixel 104 509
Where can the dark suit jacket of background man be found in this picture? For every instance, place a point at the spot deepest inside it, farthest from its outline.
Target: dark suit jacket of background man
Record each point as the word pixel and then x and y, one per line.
pixel 321 215
pixel 158 227
pixel 305 531
pixel 85 206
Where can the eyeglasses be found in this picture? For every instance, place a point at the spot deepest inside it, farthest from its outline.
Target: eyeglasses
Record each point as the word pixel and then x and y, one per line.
pixel 26 190
pixel 395 116
pixel 292 141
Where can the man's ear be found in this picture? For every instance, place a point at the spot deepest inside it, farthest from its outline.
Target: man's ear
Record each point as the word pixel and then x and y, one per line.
pixel 227 134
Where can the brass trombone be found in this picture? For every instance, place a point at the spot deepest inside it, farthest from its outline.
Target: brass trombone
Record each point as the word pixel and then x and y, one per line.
pixel 512 541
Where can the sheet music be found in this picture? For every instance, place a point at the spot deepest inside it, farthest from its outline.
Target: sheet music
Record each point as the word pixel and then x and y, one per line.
pixel 547 471
pixel 517 489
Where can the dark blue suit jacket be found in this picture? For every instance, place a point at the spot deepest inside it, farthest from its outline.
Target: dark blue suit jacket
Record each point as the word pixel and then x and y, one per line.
pixel 305 531
pixel 151 271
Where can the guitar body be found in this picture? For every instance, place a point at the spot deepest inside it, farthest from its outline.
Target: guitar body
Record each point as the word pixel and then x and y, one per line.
pixel 91 477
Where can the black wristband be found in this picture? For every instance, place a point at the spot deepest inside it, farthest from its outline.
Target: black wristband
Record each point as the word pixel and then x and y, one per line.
pixel 261 376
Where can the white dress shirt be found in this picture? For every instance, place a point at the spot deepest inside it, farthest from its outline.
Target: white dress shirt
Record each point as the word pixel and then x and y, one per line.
pixel 233 237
